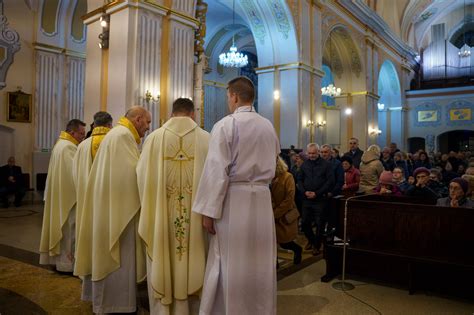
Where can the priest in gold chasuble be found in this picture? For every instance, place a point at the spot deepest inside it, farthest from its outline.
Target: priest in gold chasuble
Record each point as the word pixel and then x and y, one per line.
pixel 81 167
pixel 168 173
pixel 58 231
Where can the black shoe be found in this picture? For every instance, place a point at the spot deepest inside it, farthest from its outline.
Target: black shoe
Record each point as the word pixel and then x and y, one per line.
pixel 5 205
pixel 316 251
pixel 17 204
pixel 297 257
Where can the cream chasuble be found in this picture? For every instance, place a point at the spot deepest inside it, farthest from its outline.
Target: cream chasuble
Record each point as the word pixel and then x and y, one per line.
pixel 82 164
pixel 60 198
pixel 168 173
pixel 112 202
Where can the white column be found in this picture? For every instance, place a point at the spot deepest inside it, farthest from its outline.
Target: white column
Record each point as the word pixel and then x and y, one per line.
pixel 47 102
pixel 75 74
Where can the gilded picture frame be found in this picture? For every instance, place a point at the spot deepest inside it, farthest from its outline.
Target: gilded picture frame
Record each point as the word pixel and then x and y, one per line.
pixel 19 107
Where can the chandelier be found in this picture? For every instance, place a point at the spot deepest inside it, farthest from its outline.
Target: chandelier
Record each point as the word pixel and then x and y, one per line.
pixel 465 51
pixel 233 58
pixel 331 91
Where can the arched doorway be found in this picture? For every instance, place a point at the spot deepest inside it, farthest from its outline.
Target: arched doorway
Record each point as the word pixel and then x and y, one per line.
pixel 456 140
pixel 389 105
pixel 343 67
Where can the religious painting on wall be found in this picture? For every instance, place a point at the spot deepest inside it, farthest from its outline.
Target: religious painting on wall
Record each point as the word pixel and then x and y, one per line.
pixel 457 114
pixel 427 116
pixel 18 107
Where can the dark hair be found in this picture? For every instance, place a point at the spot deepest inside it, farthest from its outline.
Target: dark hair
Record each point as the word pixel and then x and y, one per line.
pixel 243 87
pixel 74 124
pixel 183 105
pixel 102 119
pixel 348 159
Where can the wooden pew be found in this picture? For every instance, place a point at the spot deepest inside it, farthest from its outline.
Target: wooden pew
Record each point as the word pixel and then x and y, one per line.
pixel 402 241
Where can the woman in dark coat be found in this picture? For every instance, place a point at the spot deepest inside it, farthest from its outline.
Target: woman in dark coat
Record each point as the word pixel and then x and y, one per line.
pixel 284 210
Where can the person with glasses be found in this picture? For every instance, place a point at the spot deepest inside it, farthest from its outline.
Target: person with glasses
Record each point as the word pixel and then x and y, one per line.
pixel 457 195
pixel 420 189
pixel 354 152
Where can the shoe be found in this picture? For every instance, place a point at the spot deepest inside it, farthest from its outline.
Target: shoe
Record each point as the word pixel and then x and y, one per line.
pixel 297 257
pixel 316 251
pixel 308 246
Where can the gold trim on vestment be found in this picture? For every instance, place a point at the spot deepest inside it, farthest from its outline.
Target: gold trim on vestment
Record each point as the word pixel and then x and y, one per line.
pixel 124 121
pixel 66 136
pixel 98 134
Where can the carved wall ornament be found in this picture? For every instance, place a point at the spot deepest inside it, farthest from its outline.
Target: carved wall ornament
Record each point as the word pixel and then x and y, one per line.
pixel 10 44
pixel 200 33
pixel 283 24
pixel 256 21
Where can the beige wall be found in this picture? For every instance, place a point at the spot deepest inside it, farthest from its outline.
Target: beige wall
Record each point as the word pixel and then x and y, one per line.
pixel 21 73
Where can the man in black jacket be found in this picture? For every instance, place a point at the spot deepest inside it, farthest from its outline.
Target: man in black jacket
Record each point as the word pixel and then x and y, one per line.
pixel 11 182
pixel 315 179
pixel 354 152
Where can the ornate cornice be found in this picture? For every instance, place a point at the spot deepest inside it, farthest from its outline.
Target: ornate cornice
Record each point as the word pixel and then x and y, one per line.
pixel 373 21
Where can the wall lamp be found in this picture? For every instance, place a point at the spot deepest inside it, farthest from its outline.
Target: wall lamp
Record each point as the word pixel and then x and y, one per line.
pixel 321 124
pixel 149 97
pixel 309 123
pixel 374 131
pixel 104 36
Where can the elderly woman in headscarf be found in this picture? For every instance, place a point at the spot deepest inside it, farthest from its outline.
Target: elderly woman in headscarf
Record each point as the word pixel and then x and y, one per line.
pixel 457 195
pixel 370 169
pixel 284 210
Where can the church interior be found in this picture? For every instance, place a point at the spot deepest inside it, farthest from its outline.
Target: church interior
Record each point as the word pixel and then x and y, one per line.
pixel 325 72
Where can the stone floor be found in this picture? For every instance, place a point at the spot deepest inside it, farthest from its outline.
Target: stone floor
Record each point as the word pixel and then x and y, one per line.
pixel 27 288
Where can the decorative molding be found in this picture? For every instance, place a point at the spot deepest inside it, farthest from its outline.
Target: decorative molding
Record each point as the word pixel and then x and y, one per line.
pixel 76 76
pixel 281 20
pixel 149 54
pixel 255 19
pixel 47 105
pixel 291 66
pixel 373 21
pixel 59 50
pixel 10 42
pixel 215 83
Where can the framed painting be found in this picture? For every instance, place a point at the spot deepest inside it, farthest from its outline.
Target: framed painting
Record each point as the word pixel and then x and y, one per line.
pixel 427 115
pixel 19 107
pixel 456 114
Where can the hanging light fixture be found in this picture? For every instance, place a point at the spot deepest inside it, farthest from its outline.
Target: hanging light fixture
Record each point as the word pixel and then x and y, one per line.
pixel 233 58
pixel 465 51
pixel 331 90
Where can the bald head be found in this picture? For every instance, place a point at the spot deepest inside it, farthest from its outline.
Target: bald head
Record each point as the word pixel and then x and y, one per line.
pixel 140 118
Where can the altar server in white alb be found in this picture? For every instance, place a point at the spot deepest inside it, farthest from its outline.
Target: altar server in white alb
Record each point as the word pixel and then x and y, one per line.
pixel 234 199
pixel 116 258
pixel 86 152
pixel 58 231
pixel 168 173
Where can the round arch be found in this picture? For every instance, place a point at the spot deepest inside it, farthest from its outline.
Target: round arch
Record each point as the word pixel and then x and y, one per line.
pixel 390 105
pixel 265 29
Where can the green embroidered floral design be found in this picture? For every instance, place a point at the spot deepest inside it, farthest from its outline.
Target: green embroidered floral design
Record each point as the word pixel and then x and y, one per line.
pixel 180 226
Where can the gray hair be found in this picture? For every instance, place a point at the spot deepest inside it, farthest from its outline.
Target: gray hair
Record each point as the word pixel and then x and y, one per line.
pixel 312 144
pixel 326 146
